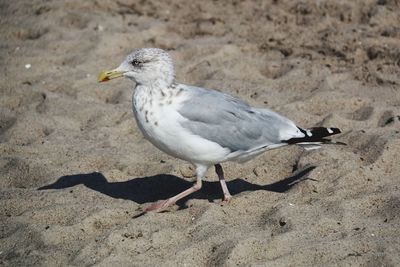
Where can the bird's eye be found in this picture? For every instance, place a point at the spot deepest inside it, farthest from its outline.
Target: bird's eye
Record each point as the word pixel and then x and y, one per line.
pixel 135 63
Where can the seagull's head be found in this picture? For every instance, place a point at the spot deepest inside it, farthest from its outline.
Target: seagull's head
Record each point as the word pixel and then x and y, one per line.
pixel 145 66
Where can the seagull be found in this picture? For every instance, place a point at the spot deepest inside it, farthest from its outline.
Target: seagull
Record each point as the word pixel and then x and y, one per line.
pixel 203 126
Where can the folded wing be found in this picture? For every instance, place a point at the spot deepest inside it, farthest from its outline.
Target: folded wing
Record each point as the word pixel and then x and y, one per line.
pixel 232 123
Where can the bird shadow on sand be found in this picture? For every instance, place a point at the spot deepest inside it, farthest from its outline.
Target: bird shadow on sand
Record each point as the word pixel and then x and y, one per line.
pixel 154 188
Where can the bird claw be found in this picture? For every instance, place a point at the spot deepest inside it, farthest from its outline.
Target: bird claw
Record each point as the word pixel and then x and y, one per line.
pixel 226 200
pixel 159 207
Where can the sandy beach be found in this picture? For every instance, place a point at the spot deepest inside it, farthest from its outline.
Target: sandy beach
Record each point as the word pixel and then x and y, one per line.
pixel 76 172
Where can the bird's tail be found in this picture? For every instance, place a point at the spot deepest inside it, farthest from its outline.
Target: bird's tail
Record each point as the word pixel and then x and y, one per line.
pixel 314 137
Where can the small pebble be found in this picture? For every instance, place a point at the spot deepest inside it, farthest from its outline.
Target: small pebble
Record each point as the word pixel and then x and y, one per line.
pixel 28 66
pixel 99 28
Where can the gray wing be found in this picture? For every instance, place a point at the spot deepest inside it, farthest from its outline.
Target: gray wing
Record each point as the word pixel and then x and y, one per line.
pixel 231 122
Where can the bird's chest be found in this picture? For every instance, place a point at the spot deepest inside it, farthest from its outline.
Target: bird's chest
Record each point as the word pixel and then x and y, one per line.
pixel 147 112
pixel 157 118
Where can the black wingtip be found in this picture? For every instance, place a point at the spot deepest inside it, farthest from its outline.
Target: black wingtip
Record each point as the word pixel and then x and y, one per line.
pixel 313 135
pixel 320 131
pixel 335 130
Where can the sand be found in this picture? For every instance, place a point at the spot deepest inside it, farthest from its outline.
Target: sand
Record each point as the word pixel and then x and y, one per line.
pixel 75 171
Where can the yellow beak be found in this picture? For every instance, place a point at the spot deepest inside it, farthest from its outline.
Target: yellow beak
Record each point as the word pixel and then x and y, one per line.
pixel 108 75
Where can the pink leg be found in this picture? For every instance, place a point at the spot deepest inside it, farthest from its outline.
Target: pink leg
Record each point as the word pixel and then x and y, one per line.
pixel 158 207
pixel 220 173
